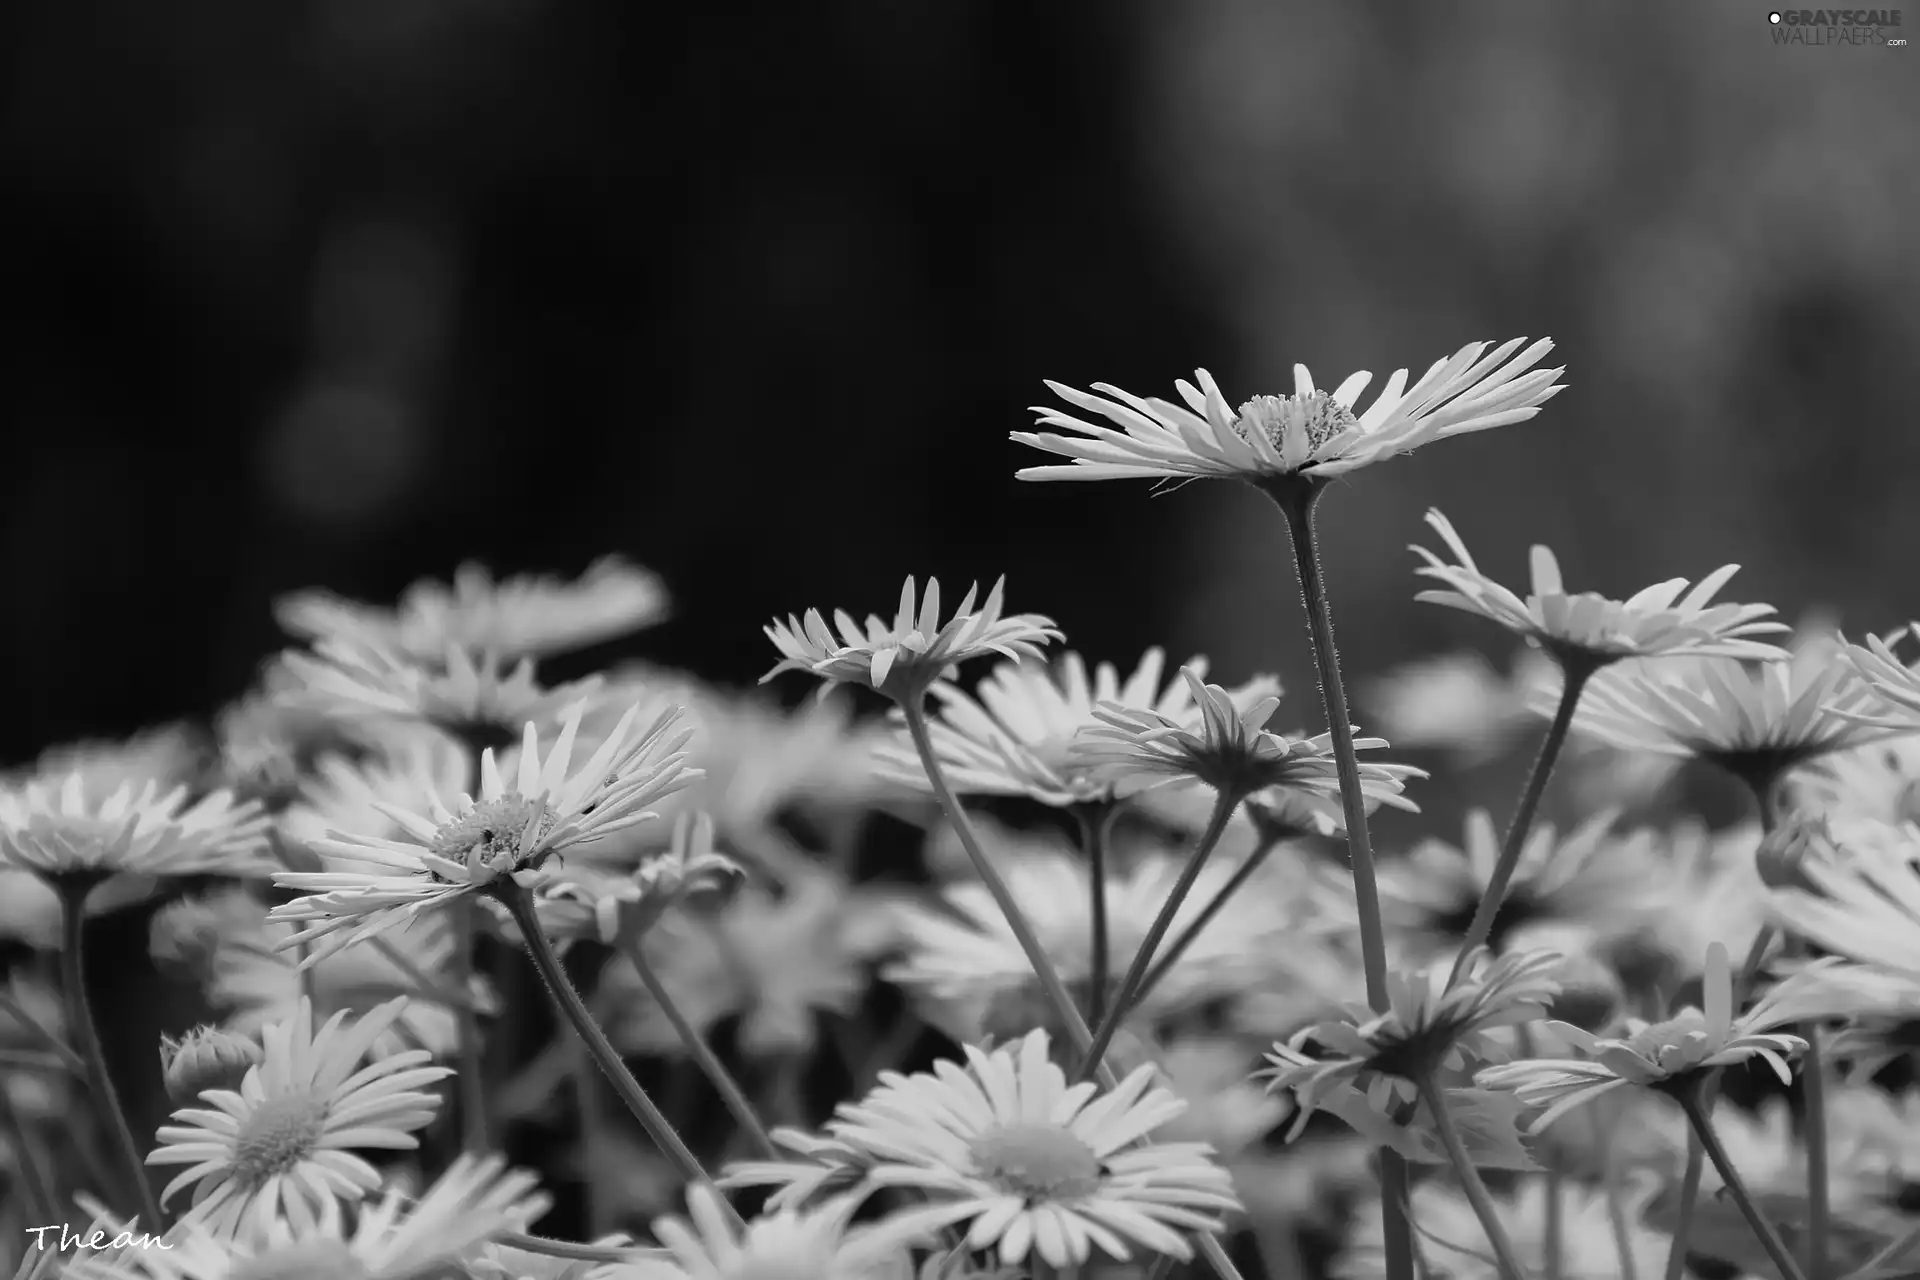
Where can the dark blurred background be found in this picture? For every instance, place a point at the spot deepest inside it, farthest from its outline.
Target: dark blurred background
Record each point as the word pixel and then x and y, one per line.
pixel 341 293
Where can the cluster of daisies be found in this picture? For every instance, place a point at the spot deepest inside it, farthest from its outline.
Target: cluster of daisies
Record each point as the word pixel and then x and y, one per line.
pixel 1047 966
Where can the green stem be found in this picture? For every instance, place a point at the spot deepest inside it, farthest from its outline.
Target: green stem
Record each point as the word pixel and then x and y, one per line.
pixel 1689 1196
pixel 703 1055
pixel 1762 1230
pixel 1476 1190
pixel 1055 991
pixel 519 901
pixel 1295 497
pixel 73 979
pixel 1095 819
pixel 1576 669
pixel 472 1076
pixel 1224 803
pixel 1170 955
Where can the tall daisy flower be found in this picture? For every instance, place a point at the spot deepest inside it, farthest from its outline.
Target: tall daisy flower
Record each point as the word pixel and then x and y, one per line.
pixel 1657 622
pixel 473 694
pixel 474 1201
pixel 1227 749
pixel 1016 733
pixel 1429 1026
pixel 903 659
pixel 1670 1056
pixel 706 1245
pixel 465 845
pixel 281 1146
pixel 1028 1164
pixel 527 615
pixel 55 829
pixel 1311 432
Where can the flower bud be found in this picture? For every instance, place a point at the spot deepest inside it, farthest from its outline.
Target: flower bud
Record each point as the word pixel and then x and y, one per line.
pixel 1786 848
pixel 205 1058
pixel 185 935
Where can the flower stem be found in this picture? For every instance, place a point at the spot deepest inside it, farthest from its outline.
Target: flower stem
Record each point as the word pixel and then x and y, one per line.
pixel 73 915
pixel 1095 820
pixel 472 1076
pixel 1224 804
pixel 519 901
pixel 1295 497
pixel 703 1055
pixel 1575 669
pixel 1689 1196
pixel 1170 956
pixel 1762 1230
pixel 1814 1089
pixel 1051 987
pixel 1476 1190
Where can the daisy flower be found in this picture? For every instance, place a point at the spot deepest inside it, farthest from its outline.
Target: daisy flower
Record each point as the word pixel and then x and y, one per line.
pixel 528 615
pixel 1668 1056
pixel 1659 621
pixel 392 1239
pixel 53 829
pixel 1015 734
pixel 705 1245
pixel 463 692
pixel 168 756
pixel 282 1144
pixel 1227 749
pixel 463 847
pixel 960 955
pixel 1029 1164
pixel 1583 875
pixel 1892 681
pixel 1428 1026
pixel 1703 888
pixel 1312 432
pixel 904 658
pixel 1863 904
pixel 585 902
pixel 1449 1237
pixel 1756 722
pixel 819 1166
pixel 353 793
pixel 1878 782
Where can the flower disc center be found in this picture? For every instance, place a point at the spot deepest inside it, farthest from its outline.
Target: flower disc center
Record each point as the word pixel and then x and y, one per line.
pixel 279 1133
pixel 1317 416
pixel 1038 1161
pixel 494 834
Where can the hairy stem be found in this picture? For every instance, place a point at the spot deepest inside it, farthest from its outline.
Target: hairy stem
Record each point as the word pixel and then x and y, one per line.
pixel 1470 1182
pixel 1191 934
pixel 1737 1188
pixel 73 979
pixel 1576 669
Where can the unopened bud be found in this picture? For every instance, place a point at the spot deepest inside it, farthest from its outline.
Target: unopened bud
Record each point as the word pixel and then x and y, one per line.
pixel 1784 851
pixel 205 1058
pixel 185 935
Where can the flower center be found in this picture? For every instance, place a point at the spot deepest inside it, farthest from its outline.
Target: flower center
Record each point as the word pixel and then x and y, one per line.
pixel 1038 1161
pixel 308 1260
pixel 1316 415
pixel 279 1133
pixel 492 835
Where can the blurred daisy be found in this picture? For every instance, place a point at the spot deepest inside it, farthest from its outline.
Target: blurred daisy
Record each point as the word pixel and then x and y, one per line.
pixel 818 1165
pixel 30 910
pixel 257 980
pixel 584 902
pixel 1657 622
pixel 903 659
pixel 1666 1055
pixel 1429 1026
pixel 1227 749
pixel 1895 684
pixel 1583 875
pixel 528 615
pixel 705 1245
pixel 1450 1239
pixel 169 756
pixel 1456 702
pixel 396 1238
pixel 775 963
pixel 266 741
pixel 1487 1121
pixel 282 1145
pixel 471 694
pixel 1030 1165
pixel 1225 1110
pixel 353 793
pixel 1755 722
pixel 451 850
pixel 1015 734
pixel 1703 888
pixel 53 828
pixel 1864 905
pixel 1311 432
pixel 960 954
pixel 1877 782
